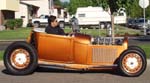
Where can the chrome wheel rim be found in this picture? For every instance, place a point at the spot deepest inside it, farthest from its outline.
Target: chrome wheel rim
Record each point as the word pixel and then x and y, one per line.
pixel 132 63
pixel 20 58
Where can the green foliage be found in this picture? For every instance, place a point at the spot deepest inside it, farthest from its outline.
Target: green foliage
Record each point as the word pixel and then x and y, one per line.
pixel 57 2
pixel 10 23
pixel 18 22
pixel 113 5
pixel 146 48
pixel 132 7
pixel 19 33
pixel 1 55
pixel 14 23
pixel 148 12
pixel 65 4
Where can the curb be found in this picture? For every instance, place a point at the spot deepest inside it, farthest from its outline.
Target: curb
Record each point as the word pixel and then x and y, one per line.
pixel 12 40
pixel 148 62
pixel 1 63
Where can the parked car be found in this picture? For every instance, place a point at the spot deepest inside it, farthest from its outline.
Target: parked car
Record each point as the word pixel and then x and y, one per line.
pixel 148 31
pixel 140 23
pixel 76 52
pixel 137 23
pixel 131 23
pixel 43 21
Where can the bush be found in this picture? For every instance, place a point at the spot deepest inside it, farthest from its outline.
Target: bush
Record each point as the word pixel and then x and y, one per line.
pixel 18 22
pixel 10 24
pixel 13 23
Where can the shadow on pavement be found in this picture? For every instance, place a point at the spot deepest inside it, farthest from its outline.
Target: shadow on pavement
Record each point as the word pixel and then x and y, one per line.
pixel 52 70
pixel 6 72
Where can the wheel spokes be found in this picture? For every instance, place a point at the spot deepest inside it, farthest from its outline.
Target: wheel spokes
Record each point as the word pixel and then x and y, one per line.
pixel 132 63
pixel 20 58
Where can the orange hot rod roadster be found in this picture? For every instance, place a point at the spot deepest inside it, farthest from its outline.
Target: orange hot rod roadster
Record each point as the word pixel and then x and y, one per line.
pixel 77 51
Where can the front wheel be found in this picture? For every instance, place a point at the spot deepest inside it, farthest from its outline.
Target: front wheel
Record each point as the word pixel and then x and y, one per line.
pixel 20 58
pixel 137 48
pixel 132 63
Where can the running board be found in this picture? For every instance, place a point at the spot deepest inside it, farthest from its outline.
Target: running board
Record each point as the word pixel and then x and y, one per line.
pixel 58 67
pixel 75 66
pixel 104 66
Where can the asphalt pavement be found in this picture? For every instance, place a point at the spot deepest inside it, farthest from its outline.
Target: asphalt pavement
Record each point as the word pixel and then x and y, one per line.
pixel 4 43
pixel 47 75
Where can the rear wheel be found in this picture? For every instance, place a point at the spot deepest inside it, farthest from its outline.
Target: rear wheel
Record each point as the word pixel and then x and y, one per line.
pixel 132 63
pixel 20 58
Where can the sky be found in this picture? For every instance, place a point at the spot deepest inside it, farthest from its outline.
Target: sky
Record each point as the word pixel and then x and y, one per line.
pixel 65 0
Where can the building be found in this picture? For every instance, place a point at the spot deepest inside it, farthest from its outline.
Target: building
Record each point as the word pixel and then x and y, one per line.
pixel 7 9
pixel 26 11
pixel 42 4
pixel 29 9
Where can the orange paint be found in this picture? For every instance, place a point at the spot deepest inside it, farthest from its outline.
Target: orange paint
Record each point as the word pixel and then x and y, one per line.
pixel 76 51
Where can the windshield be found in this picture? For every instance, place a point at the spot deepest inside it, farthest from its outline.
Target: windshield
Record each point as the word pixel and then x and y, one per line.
pixel 141 21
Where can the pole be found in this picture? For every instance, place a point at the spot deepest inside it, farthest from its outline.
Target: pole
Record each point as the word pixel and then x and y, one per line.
pixel 113 31
pixel 144 22
pixel 144 19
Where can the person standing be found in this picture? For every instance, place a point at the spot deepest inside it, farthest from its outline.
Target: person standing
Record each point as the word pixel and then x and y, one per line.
pixel 75 24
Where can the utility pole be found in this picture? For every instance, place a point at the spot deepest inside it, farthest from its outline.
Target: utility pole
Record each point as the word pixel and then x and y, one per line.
pixel 113 29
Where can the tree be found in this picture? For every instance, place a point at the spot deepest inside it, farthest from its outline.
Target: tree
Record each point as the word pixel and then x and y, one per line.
pixel 65 4
pixel 57 2
pixel 135 10
pixel 147 12
pixel 102 3
pixel 132 7
pixel 113 5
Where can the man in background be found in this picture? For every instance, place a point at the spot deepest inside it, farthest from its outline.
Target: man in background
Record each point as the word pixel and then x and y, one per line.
pixel 75 24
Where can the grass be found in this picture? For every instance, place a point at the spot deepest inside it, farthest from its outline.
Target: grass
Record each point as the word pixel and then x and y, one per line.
pixel 1 55
pixel 146 48
pixel 93 32
pixel 120 30
pixel 20 33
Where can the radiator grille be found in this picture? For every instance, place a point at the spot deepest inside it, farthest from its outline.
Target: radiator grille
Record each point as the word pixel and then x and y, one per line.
pixel 104 54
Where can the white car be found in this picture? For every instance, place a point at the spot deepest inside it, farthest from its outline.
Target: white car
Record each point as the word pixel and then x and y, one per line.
pixel 43 20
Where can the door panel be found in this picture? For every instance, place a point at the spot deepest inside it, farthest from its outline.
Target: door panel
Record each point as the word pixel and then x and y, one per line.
pixel 55 47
